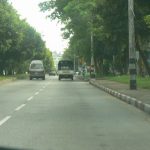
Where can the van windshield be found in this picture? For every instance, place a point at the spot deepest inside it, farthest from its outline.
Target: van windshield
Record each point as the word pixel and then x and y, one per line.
pixel 65 65
pixel 36 66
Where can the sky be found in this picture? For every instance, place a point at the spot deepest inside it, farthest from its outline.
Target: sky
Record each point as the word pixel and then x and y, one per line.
pixel 50 30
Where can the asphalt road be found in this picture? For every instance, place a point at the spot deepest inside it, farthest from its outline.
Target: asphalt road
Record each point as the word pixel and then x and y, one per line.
pixel 68 115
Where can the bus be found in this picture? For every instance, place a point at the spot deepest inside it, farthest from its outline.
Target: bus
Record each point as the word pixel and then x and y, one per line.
pixel 65 69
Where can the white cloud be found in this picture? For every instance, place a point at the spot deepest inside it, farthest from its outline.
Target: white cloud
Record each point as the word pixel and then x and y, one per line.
pixel 50 30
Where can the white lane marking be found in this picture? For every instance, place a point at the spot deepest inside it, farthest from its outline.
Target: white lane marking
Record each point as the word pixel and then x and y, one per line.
pixel 30 98
pixel 20 107
pixel 4 120
pixel 36 93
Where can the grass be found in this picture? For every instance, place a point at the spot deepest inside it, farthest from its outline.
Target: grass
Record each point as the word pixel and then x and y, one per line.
pixel 2 78
pixel 21 76
pixel 142 82
pixel 18 76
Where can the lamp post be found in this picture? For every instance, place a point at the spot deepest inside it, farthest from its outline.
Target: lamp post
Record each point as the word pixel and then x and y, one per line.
pixel 132 53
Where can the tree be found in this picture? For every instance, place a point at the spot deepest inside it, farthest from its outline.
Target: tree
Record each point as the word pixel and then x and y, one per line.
pixel 108 21
pixel 19 42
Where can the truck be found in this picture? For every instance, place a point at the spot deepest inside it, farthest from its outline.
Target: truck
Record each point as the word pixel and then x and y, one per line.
pixel 65 69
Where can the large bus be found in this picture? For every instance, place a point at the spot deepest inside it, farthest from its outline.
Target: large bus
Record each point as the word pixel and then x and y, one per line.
pixel 65 69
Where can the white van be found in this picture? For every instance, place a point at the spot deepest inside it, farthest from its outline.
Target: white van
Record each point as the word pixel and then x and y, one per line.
pixel 36 70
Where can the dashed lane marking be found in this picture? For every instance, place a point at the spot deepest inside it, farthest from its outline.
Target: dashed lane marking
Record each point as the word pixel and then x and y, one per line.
pixel 4 120
pixel 41 90
pixel 30 98
pixel 36 93
pixel 20 107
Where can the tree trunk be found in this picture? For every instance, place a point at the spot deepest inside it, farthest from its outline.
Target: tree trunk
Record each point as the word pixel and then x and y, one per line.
pixel 143 56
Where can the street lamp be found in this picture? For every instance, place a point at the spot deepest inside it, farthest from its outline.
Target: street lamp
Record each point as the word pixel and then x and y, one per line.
pixel 132 53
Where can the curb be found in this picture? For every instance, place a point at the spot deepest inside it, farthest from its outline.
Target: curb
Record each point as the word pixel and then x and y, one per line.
pixel 130 100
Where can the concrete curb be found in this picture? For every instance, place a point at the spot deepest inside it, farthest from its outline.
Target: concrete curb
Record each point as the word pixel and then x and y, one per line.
pixel 130 100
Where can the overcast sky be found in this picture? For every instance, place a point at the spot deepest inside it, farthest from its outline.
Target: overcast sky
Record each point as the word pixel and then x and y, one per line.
pixel 50 30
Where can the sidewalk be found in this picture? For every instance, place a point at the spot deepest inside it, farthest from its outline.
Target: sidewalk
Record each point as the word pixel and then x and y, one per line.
pixel 139 98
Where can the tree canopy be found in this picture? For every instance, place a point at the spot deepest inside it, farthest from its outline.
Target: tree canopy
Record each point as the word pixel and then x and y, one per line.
pixel 19 42
pixel 108 20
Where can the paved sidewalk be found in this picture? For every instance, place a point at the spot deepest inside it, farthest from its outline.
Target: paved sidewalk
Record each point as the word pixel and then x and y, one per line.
pixel 139 98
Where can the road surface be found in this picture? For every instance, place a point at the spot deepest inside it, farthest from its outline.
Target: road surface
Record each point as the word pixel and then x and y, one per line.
pixel 68 115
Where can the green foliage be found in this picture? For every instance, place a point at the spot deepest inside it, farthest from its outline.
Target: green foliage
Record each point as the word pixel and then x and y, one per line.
pixel 19 42
pixel 108 20
pixel 7 78
pixel 48 61
pixel 142 82
pixel 68 55
pixel 147 20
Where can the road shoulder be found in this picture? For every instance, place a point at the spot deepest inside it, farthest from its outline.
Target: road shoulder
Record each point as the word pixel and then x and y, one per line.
pixel 138 98
pixel 5 81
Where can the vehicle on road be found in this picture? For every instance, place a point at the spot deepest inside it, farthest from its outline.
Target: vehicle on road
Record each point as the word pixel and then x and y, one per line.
pixel 65 69
pixel 52 73
pixel 36 70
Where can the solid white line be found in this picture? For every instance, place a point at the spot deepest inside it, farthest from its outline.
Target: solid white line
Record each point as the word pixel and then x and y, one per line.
pixel 20 107
pixel 4 120
pixel 30 98
pixel 36 93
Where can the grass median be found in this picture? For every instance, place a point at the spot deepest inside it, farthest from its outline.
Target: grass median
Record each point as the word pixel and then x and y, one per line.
pixel 142 82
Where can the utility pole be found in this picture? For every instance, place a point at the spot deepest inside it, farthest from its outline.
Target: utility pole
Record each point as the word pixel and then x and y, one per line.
pixel 132 53
pixel 92 67
pixel 74 63
pixel 92 50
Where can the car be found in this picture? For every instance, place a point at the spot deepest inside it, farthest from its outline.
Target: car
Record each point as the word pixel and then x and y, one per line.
pixel 36 70
pixel 52 73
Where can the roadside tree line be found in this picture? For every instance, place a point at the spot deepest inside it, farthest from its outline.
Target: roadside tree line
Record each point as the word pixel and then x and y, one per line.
pixel 19 43
pixel 108 22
